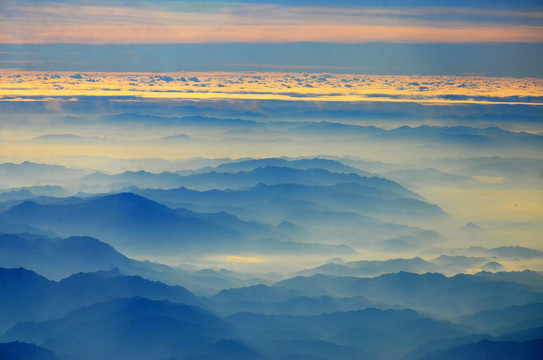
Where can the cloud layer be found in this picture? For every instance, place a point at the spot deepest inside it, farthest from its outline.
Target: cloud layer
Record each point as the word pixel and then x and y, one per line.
pixel 272 86
pixel 269 22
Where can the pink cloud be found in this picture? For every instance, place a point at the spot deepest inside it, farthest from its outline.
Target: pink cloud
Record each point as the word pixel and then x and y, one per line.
pixel 119 34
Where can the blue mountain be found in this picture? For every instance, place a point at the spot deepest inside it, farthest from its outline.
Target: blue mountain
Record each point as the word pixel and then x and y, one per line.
pixel 297 202
pixel 135 328
pixel 498 350
pixel 433 293
pixel 59 258
pixel 26 174
pixel 301 164
pixel 126 221
pixel 258 293
pixel 17 350
pixel 137 225
pixel 526 277
pixel 106 182
pixel 401 329
pixel 372 267
pixel 28 296
pixel 200 121
pixel 495 319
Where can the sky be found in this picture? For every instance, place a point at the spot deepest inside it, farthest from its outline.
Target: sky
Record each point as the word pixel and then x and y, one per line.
pixel 121 22
pixel 494 38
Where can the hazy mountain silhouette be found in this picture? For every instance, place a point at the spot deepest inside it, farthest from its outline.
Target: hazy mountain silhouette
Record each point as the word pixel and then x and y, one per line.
pixel 471 227
pixel 463 135
pixel 372 268
pixel 499 350
pixel 159 328
pixel 135 224
pixel 59 258
pixel 32 191
pixel 314 350
pixel 525 335
pixel 69 139
pixel 401 327
pixel 32 174
pixel 509 252
pixel 227 350
pixel 459 263
pixel 193 120
pixel 124 220
pixel 271 175
pixel 17 350
pixel 105 182
pixel 431 292
pixel 493 319
pixel 441 345
pixel 526 277
pixel 297 305
pixel 336 207
pixel 258 293
pixel 517 251
pixel 28 296
pixel 301 164
pixel 512 168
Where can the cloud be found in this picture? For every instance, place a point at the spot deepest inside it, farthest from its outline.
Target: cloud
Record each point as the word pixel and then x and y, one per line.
pixel 145 34
pixel 271 86
pixel 230 22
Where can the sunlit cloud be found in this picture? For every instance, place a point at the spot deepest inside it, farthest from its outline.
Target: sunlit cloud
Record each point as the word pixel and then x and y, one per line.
pixel 144 34
pixel 193 23
pixel 17 85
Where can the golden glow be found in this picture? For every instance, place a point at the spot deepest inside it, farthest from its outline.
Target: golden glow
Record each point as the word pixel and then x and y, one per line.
pixel 199 23
pixel 242 259
pixel 172 34
pixel 489 204
pixel 20 86
pixel 489 179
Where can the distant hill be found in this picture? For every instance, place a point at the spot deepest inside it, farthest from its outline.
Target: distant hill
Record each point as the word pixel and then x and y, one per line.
pixel 304 204
pixel 372 268
pixel 493 319
pixel 137 225
pixel 271 175
pixel 434 293
pixel 280 301
pixel 28 296
pixel 17 350
pixel 32 191
pixel 135 328
pixel 400 329
pixel 508 252
pixel 526 277
pixel 295 172
pixel 496 350
pixel 301 164
pixel 33 174
pixel 60 258
pixel 124 220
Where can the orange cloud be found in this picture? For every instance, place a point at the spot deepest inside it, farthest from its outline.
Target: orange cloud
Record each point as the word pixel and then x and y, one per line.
pixel 197 23
pixel 446 90
pixel 145 34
